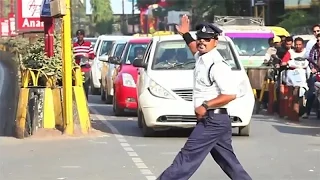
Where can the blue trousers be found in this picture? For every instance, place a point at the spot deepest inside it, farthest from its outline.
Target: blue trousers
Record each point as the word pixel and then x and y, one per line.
pixel 211 135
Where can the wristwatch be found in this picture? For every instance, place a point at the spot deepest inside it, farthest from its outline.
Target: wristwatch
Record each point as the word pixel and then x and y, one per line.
pixel 205 104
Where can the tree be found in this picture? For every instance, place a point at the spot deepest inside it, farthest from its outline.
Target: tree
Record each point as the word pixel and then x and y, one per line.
pixel 102 16
pixel 296 20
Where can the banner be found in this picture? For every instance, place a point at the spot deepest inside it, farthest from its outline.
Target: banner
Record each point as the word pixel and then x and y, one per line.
pixel 4 25
pixel 28 16
pixel 12 24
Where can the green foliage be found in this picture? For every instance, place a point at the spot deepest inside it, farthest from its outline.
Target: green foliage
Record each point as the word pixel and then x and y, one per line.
pixel 102 16
pixel 296 19
pixel 101 10
pixel 35 57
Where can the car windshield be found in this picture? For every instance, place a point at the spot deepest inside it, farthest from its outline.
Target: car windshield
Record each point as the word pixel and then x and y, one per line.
pixel 251 46
pixel 176 55
pixel 134 50
pixel 105 47
pixel 119 49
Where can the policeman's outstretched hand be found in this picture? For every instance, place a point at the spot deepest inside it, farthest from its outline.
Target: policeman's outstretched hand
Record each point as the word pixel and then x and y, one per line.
pixel 184 25
pixel 200 112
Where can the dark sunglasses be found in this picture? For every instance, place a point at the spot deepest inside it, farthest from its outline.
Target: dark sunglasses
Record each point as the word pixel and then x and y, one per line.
pixel 205 39
pixel 316 31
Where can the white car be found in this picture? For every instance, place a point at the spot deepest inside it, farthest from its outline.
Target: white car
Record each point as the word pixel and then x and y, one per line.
pixel 165 87
pixel 107 80
pixel 102 47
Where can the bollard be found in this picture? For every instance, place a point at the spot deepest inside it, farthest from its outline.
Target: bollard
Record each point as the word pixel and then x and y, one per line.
pixel 271 99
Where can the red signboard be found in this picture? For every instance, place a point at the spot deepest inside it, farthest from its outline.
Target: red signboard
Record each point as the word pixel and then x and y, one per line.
pixel 28 15
pixel 4 26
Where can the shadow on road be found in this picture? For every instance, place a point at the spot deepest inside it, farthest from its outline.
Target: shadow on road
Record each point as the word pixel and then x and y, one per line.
pixel 307 131
pixel 9 93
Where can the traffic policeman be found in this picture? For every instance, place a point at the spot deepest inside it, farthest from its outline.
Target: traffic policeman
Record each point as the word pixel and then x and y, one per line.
pixel 214 88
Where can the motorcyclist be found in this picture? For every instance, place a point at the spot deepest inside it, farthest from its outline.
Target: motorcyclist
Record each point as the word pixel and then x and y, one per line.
pixel 81 49
pixel 274 43
pixel 314 57
pixel 299 50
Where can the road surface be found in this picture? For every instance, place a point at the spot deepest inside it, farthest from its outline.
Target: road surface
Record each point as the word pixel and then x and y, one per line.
pixel 274 151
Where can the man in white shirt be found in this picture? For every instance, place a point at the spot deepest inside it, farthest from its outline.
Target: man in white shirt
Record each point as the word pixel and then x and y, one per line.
pixel 312 42
pixel 213 89
pixel 299 50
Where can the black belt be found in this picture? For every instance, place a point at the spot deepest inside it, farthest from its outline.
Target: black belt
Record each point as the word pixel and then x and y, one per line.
pixel 217 111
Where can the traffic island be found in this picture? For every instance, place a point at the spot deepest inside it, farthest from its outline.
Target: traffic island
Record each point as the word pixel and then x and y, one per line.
pixel 40 105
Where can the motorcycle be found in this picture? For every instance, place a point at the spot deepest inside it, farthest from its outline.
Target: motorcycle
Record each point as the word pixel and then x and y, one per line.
pixel 297 74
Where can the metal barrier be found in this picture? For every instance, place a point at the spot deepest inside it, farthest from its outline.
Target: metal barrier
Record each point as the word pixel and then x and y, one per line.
pixel 41 105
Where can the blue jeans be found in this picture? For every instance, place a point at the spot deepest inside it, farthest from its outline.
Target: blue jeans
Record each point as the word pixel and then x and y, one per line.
pixel 310 94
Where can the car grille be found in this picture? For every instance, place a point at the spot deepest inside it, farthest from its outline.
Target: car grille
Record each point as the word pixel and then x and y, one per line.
pixel 185 94
pixel 177 118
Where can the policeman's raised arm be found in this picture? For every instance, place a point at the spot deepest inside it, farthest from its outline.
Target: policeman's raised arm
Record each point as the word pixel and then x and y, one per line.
pixel 183 29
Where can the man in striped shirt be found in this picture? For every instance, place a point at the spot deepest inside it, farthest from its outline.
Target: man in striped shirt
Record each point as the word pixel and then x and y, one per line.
pixel 83 48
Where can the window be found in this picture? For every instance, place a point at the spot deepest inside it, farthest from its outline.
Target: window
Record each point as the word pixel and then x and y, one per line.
pixel 251 46
pixel 147 53
pixel 177 55
pixel 105 47
pixel 134 50
pixel 119 50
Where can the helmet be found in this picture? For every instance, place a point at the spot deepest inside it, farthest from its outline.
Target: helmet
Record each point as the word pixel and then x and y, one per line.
pixel 80 32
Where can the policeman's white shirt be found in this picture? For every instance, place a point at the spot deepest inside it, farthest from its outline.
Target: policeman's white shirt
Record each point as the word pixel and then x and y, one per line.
pixel 220 73
pixel 309 46
pixel 294 54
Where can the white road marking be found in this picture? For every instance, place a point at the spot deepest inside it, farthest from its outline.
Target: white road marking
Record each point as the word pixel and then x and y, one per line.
pixel 144 170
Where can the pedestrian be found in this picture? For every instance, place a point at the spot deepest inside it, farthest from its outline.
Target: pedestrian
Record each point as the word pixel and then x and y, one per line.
pixel 214 88
pixel 82 48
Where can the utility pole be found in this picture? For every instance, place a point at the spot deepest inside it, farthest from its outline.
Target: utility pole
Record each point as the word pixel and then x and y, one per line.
pixel 133 17
pixel 67 71
pixel 122 18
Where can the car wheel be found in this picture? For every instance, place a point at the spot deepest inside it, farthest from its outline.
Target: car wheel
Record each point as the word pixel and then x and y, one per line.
pixel 109 98
pixel 139 118
pixel 146 131
pixel 244 130
pixel 94 91
pixel 117 111
pixel 102 94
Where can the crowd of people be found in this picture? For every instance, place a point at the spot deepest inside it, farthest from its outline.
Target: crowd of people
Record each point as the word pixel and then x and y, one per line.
pixel 282 49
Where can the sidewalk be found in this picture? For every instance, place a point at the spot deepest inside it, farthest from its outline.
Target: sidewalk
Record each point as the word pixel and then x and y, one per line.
pixel 67 158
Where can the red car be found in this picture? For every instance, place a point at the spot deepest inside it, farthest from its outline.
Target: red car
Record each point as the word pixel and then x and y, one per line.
pixel 125 94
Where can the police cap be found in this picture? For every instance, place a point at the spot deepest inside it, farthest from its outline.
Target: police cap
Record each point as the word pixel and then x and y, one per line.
pixel 207 30
pixel 80 32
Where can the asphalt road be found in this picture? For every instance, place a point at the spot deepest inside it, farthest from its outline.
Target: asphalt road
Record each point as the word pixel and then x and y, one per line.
pixel 275 151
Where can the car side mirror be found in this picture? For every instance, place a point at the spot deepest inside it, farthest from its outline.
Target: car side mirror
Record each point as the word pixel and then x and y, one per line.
pixel 139 63
pixel 114 60
pixel 103 58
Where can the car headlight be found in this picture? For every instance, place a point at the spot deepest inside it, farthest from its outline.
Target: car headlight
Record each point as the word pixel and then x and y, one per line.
pixel 158 91
pixel 128 80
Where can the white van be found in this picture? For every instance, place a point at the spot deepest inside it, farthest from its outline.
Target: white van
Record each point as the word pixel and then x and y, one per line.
pixel 164 86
